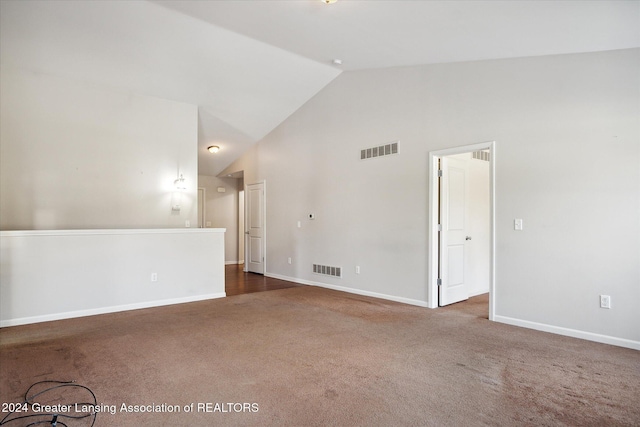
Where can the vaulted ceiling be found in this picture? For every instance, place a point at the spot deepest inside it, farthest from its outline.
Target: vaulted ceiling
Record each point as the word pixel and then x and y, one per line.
pixel 250 64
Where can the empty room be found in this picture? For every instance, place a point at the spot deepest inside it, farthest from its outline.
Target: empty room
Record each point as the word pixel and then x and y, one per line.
pixel 319 212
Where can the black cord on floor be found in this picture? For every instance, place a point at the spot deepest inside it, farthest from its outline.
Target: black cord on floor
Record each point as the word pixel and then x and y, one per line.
pixel 53 421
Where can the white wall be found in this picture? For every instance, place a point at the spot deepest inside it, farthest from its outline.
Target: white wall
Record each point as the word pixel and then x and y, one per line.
pixel 49 275
pixel 222 211
pixel 567 132
pixel 77 155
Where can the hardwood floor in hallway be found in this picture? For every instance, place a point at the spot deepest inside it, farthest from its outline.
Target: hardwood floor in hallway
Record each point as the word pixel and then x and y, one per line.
pixel 238 282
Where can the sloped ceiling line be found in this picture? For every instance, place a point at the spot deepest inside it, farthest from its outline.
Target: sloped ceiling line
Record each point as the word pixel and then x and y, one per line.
pixel 251 64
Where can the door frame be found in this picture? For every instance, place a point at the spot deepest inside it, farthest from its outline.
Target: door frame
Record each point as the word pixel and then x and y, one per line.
pixel 264 223
pixel 241 226
pixel 434 156
pixel 204 206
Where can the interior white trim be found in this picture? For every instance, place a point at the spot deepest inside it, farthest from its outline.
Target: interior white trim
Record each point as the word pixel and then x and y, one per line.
pixel 432 284
pixel 105 310
pixel 349 290
pixel 97 232
pixel 604 339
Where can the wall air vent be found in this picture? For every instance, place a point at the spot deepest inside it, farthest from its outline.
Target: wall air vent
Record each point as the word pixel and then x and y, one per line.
pixel 379 151
pixel 481 155
pixel 327 270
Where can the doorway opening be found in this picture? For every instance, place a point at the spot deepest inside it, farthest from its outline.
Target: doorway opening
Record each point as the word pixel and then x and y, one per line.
pixel 202 206
pixel 255 228
pixel 451 244
pixel 241 225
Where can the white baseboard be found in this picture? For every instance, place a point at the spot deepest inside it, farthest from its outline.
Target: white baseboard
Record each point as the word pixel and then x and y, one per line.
pixel 604 339
pixel 590 336
pixel 233 262
pixel 105 310
pixel 349 290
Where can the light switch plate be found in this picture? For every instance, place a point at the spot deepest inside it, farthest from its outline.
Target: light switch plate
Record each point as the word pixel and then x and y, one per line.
pixel 517 224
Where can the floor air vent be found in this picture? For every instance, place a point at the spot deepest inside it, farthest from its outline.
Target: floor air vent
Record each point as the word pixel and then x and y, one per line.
pixel 379 151
pixel 327 270
pixel 481 155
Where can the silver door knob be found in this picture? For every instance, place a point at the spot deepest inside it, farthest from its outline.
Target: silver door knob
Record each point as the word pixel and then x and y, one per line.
pixel 467 238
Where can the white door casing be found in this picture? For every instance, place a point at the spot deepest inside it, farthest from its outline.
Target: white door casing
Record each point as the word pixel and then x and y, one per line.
pixel 453 236
pixel 255 228
pixel 433 237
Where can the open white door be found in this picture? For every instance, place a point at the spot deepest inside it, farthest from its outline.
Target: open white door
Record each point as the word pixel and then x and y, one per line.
pixel 453 235
pixel 255 228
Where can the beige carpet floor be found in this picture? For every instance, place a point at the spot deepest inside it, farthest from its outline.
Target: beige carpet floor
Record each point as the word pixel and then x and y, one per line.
pixel 309 356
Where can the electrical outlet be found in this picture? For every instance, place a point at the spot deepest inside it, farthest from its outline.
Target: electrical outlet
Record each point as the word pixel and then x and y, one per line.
pixel 187 224
pixel 289 260
pixel 605 301
pixel 357 269
pixel 154 277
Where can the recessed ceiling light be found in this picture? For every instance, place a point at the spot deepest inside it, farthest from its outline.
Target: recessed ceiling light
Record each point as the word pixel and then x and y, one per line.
pixel 213 149
pixel 329 1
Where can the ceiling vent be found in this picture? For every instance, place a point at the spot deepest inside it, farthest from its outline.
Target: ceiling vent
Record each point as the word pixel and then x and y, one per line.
pixel 379 151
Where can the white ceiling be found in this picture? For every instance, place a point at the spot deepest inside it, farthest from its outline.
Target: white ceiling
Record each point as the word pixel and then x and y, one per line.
pixel 378 33
pixel 250 64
